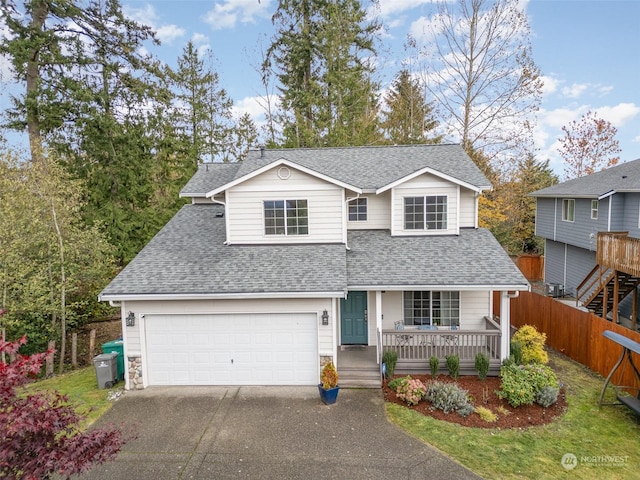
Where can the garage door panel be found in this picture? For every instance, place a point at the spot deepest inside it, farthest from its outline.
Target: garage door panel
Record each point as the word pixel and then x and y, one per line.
pixel 259 349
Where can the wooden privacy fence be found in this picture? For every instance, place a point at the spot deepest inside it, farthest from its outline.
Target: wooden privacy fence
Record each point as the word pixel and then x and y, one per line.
pixel 575 333
pixel 531 266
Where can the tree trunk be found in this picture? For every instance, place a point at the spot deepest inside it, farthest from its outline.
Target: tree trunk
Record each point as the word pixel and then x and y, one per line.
pixel 92 344
pixel 38 17
pixel 74 350
pixel 49 359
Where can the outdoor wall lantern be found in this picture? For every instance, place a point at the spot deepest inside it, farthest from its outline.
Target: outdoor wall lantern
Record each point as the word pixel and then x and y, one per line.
pixel 131 319
pixel 325 317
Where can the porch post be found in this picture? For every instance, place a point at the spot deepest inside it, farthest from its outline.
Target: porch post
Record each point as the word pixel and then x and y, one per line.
pixel 378 323
pixel 505 325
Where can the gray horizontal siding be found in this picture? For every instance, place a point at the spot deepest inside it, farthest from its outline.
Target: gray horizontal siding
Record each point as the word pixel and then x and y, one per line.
pixel 553 262
pixel 569 266
pixel 631 217
pixel 545 214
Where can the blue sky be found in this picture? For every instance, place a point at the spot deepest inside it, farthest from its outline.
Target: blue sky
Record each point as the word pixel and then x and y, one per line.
pixel 588 52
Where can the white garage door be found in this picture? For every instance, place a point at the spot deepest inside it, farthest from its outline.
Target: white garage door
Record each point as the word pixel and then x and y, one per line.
pixel 233 349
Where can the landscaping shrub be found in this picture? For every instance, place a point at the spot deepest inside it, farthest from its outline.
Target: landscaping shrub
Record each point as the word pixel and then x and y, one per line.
pixel 522 383
pixel 453 365
pixel 393 384
pixel 515 352
pixel 449 397
pixel 411 390
pixel 482 365
pixel 532 343
pixel 434 364
pixel 486 414
pixel 547 396
pixel 390 358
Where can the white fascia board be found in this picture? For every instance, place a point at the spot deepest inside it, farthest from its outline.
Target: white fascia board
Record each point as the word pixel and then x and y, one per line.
pixel 216 296
pixel 278 163
pixel 436 173
pixel 607 195
pixel 441 288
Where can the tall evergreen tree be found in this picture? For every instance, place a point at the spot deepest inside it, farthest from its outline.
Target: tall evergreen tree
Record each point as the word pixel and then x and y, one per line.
pixel 320 55
pixel 408 118
pixel 203 112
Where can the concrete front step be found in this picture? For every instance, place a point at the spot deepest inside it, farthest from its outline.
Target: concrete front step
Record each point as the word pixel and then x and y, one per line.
pixel 359 378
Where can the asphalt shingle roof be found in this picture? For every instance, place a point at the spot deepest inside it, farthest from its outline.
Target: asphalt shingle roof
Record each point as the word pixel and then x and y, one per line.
pixel 368 168
pixel 188 257
pixel 624 177
pixel 473 258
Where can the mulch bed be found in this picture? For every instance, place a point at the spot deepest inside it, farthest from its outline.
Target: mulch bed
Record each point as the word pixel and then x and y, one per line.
pixel 483 395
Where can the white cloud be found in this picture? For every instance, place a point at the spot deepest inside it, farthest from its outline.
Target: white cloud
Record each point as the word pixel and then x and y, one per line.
pixel 636 139
pixel 228 13
pixel 605 90
pixel 389 7
pixel 619 114
pixel 147 15
pixel 168 33
pixel 576 90
pixel 549 84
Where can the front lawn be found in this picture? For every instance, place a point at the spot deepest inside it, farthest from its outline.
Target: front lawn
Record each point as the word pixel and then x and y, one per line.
pixel 81 387
pixel 605 440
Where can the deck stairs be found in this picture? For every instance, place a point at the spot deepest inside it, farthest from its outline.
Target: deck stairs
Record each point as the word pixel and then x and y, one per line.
pixel 600 284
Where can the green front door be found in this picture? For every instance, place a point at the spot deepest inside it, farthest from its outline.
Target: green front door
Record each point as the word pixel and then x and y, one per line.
pixel 353 313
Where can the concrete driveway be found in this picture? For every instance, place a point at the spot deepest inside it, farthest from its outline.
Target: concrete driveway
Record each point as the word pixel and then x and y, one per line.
pixel 266 432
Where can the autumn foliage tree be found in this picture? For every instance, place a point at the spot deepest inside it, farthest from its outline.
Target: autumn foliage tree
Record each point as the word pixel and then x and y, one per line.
pixel 589 145
pixel 39 433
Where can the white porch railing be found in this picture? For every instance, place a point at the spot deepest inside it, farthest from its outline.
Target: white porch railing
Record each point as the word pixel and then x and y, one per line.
pixel 415 347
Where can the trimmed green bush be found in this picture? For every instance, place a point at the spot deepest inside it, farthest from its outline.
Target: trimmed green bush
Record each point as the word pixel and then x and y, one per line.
pixel 547 396
pixel 434 364
pixel 482 365
pixel 453 365
pixel 449 397
pixel 390 358
pixel 395 383
pixel 516 352
pixel 521 384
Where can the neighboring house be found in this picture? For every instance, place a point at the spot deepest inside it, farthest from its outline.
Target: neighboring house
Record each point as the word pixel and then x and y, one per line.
pixel 294 256
pixel 571 215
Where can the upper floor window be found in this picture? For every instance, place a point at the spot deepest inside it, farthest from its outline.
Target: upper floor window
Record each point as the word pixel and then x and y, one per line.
pixel 594 209
pixel 286 217
pixel 432 308
pixel 425 213
pixel 358 210
pixel 568 209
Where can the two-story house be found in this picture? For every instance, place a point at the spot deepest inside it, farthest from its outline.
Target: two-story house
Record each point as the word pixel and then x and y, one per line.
pixel 575 217
pixel 292 256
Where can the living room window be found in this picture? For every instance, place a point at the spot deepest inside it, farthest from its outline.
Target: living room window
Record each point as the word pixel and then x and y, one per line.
pixel 432 308
pixel 358 210
pixel 594 209
pixel 425 213
pixel 286 217
pixel 568 209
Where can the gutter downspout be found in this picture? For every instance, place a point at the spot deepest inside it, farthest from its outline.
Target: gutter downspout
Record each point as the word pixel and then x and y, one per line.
pixel 346 202
pixel 226 220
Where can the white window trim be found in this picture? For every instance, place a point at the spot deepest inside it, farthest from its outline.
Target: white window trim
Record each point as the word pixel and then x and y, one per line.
pixel 431 292
pixel 594 211
pixel 425 229
pixel 366 209
pixel 568 201
pixel 285 234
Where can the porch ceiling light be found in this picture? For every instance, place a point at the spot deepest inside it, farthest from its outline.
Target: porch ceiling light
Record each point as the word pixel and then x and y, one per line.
pixel 325 317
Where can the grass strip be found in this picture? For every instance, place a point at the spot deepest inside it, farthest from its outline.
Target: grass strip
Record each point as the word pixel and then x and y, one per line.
pixel 605 440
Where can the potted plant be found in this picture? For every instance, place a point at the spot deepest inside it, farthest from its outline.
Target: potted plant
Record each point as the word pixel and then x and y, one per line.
pixel 328 386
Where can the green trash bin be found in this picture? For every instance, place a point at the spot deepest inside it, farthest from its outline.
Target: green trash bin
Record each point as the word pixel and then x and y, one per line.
pixel 116 346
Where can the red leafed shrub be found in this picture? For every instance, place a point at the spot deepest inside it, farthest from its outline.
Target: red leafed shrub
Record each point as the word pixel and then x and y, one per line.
pixel 39 433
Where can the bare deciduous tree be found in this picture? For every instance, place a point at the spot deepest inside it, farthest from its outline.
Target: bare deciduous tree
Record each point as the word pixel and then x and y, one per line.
pixel 588 145
pixel 479 69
